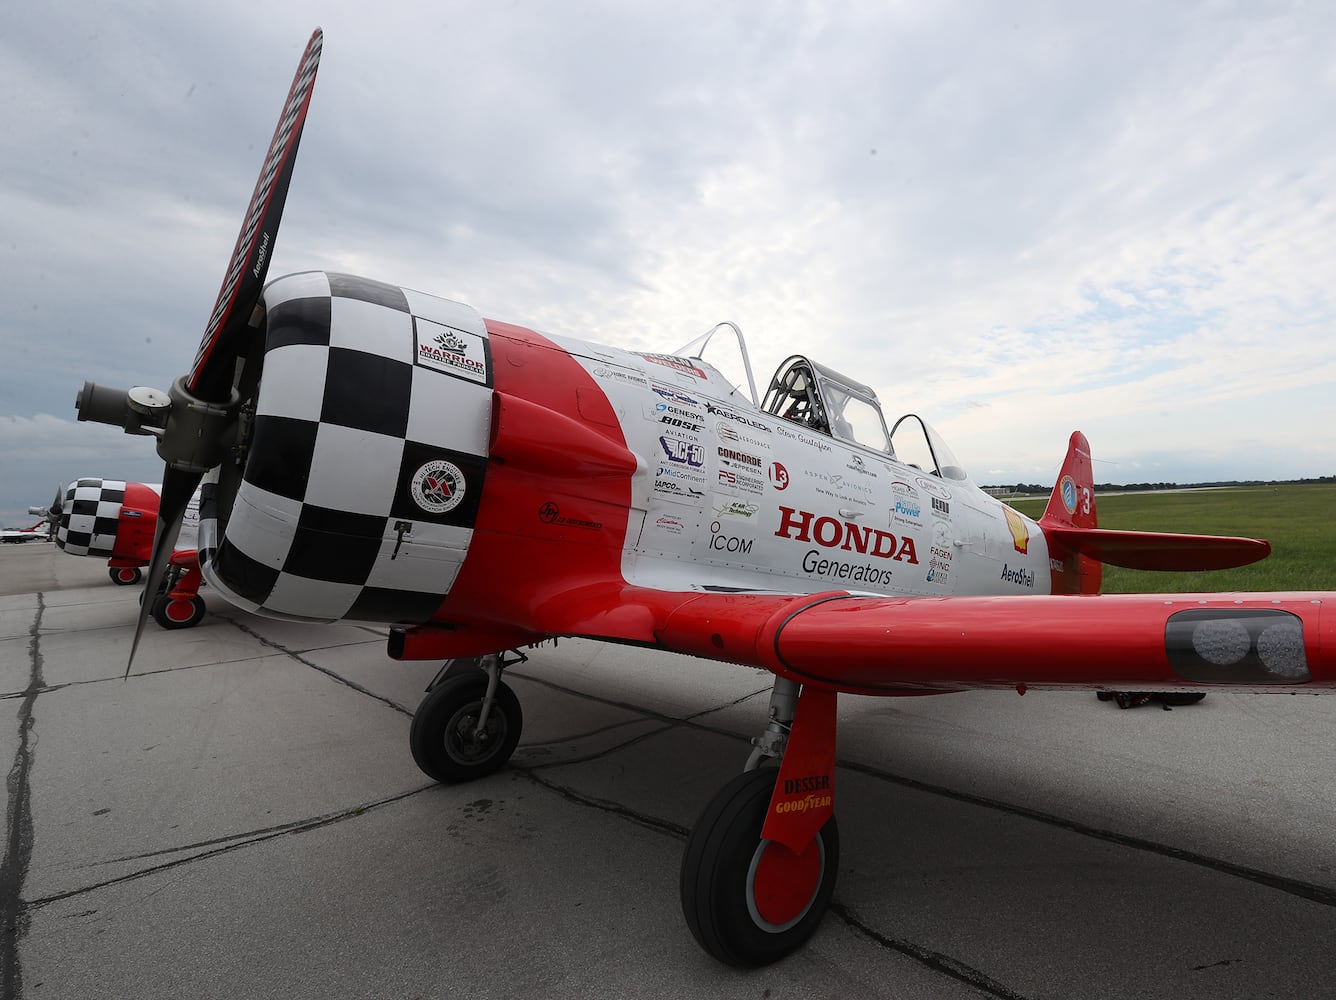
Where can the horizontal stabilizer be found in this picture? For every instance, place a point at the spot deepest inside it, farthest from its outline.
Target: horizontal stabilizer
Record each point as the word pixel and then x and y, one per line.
pixel 1159 550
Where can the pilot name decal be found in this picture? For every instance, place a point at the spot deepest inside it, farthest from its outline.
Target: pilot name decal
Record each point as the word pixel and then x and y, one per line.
pixel 830 533
pixel 451 350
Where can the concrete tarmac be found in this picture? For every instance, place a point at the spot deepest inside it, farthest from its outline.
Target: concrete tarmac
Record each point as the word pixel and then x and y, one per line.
pixel 241 817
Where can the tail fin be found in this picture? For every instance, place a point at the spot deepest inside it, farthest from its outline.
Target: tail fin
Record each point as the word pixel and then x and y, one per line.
pixel 1073 501
pixel 1078 545
pixel 1072 506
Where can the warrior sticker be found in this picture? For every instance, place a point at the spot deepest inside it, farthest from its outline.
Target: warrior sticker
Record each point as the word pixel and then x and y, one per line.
pixel 437 487
pixel 451 350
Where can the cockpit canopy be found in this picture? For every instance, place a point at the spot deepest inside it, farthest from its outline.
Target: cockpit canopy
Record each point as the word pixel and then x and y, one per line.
pixel 824 400
pixel 827 402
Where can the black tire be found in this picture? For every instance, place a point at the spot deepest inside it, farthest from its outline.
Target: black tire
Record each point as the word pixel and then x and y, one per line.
pixel 718 869
pixel 125 576
pixel 1104 695
pixel 177 614
pixel 444 736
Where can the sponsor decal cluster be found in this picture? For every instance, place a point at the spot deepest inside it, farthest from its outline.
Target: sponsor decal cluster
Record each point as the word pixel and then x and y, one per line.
pixel 678 492
pixel 671 395
pixel 676 364
pixel 857 465
pixel 448 349
pixel 740 481
pixel 733 434
pixel 1069 494
pixel 1020 576
pixel 683 451
pixel 940 555
pixel 1020 534
pixel 621 376
pixel 939 497
pixel 722 541
pixel 676 422
pixel 737 508
pixel 438 486
pixel 833 533
pixel 681 474
pixel 670 524
pixel 838 486
pixel 550 513
pixel 715 410
pixel 802 795
pixel 740 459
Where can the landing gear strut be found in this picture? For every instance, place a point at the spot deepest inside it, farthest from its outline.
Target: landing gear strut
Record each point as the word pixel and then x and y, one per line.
pixel 760 865
pixel 469 724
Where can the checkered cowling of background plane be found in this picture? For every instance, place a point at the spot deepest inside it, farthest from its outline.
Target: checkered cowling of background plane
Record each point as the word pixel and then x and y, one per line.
pixel 89 517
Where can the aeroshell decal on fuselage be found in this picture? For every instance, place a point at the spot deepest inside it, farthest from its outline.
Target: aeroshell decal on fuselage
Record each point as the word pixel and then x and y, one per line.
pixel 772 505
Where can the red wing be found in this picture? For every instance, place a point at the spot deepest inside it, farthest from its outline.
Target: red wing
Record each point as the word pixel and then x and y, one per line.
pixel 1159 550
pixel 884 644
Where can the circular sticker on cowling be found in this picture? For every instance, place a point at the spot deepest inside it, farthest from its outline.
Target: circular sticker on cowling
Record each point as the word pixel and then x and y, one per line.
pixel 437 487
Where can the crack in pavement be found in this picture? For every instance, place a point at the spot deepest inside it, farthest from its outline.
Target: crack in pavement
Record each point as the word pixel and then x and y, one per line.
pixel 19 826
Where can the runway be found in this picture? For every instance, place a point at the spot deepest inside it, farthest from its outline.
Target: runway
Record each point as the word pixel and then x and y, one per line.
pixel 241 817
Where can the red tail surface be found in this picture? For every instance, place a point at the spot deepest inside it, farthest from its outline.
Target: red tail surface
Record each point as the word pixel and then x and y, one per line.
pixel 1077 545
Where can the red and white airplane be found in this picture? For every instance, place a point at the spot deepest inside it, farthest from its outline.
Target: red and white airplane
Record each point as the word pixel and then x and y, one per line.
pixel 116 520
pixel 374 453
pixel 37 533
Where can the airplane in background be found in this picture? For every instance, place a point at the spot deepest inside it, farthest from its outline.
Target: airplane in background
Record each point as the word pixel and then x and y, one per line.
pixel 372 453
pixel 116 520
pixel 37 533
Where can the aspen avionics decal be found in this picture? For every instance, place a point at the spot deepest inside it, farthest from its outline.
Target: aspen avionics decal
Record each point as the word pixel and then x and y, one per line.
pixel 438 487
pixel 451 350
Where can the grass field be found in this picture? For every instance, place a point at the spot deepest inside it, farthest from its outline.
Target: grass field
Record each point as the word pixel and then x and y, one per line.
pixel 1298 520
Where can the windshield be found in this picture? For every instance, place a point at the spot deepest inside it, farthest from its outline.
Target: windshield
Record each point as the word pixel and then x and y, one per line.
pixel 916 443
pixel 854 418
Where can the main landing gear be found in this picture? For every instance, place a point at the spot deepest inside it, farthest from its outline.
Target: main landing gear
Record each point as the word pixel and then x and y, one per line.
pixel 469 724
pixel 760 864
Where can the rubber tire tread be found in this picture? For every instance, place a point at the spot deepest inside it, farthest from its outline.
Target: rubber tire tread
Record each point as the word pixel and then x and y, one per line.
pixel 725 837
pixel 426 734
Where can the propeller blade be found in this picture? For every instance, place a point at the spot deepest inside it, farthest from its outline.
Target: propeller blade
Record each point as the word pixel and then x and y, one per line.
pixel 210 377
pixel 177 488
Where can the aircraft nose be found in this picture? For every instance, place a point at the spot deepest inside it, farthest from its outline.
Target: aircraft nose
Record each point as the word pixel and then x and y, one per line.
pixel 89 516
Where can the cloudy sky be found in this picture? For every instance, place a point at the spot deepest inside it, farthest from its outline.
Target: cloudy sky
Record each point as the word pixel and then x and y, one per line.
pixel 1016 219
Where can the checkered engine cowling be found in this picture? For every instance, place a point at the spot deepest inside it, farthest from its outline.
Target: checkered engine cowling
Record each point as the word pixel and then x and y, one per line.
pixel 90 516
pixel 366 461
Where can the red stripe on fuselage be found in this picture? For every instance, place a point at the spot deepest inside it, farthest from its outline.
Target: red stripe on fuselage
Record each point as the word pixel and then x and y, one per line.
pixel 541 534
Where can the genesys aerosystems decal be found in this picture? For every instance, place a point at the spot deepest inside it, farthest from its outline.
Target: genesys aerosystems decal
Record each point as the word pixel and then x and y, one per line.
pixel 676 364
pixel 451 350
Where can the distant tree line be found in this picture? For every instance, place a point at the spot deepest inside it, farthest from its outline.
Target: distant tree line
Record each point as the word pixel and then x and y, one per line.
pixel 1039 489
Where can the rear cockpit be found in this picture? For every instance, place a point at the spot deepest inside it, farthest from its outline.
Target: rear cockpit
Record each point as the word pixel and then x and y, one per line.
pixel 824 401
